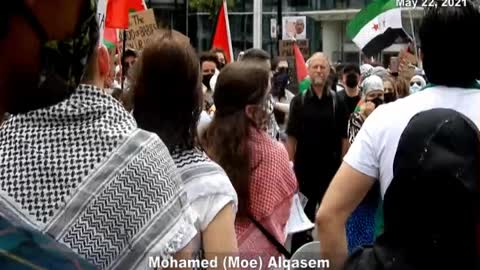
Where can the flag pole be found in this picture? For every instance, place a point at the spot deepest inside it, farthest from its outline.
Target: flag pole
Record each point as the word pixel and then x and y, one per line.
pixel 121 58
pixel 413 35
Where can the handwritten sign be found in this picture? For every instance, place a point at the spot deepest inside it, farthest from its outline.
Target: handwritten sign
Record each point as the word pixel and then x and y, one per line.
pixel 142 27
pixel 286 48
pixel 407 64
pixel 101 17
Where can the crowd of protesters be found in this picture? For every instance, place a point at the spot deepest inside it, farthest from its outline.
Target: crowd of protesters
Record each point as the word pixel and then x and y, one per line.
pixel 179 154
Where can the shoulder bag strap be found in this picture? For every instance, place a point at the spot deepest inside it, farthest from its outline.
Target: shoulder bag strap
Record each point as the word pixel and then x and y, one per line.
pixel 271 238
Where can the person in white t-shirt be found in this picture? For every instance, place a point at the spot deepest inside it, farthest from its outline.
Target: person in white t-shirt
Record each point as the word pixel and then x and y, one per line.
pixel 450 59
pixel 168 102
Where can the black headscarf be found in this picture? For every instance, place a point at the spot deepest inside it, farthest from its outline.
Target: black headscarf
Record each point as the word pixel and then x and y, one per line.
pixel 430 207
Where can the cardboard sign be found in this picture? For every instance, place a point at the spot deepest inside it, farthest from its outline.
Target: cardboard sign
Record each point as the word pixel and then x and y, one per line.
pixel 142 27
pixel 101 17
pixel 407 64
pixel 286 48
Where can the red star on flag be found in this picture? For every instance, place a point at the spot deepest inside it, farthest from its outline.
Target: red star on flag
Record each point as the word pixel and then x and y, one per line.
pixel 375 26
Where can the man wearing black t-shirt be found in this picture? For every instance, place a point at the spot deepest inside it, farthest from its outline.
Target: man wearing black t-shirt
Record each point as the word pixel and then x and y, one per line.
pixel 348 99
pixel 314 143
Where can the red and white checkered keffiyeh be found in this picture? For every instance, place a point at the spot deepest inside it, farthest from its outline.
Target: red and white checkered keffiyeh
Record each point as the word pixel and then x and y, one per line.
pixel 272 186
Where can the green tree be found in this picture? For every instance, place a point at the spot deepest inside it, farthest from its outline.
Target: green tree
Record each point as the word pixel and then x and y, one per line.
pixel 210 6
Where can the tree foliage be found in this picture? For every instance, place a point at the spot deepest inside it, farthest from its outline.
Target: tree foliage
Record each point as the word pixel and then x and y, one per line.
pixel 210 6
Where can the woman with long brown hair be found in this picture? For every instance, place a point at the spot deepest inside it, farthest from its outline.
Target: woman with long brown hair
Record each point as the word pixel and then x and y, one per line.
pixel 257 165
pixel 403 87
pixel 168 101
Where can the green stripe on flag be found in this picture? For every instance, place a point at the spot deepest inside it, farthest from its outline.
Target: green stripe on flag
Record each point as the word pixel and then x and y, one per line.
pixel 367 14
pixel 109 44
pixel 304 85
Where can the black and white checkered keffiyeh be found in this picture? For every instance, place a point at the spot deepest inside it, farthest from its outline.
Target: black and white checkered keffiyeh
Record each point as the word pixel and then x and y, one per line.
pixel 82 172
pixel 272 126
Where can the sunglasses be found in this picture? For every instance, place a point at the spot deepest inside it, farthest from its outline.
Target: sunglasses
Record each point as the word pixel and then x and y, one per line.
pixel 415 83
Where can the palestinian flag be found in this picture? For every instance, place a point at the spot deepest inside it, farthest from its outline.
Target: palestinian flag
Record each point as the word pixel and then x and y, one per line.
pixel 118 12
pixel 221 37
pixel 376 27
pixel 110 38
pixel 301 68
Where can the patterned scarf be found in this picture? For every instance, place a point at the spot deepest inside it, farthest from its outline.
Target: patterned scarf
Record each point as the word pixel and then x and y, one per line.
pixel 82 172
pixel 273 185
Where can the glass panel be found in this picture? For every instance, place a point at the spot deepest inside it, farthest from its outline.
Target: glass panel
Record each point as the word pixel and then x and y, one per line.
pixel 240 5
pixel 310 5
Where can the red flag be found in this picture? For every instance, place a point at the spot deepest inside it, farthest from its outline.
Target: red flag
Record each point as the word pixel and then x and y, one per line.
pixel 118 12
pixel 302 72
pixel 221 37
pixel 110 38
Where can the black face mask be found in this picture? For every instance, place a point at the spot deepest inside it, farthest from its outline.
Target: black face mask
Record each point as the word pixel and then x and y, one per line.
pixel 352 80
pixel 389 97
pixel 206 80
pixel 220 65
pixel 279 83
pixel 378 101
pixel 283 70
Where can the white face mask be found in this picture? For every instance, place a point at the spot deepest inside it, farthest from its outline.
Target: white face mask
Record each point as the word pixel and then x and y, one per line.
pixel 415 88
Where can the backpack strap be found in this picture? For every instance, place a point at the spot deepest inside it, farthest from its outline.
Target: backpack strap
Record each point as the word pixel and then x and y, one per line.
pixel 334 101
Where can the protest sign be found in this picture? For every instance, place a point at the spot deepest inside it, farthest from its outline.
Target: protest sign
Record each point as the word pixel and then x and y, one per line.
pixel 407 64
pixel 142 27
pixel 294 27
pixel 101 17
pixel 286 48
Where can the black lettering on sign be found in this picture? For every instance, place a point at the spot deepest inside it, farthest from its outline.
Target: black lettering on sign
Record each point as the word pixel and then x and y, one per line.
pixel 137 20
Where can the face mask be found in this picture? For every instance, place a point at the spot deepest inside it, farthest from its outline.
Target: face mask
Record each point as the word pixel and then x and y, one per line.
pixel 352 80
pixel 415 88
pixel 283 70
pixel 389 97
pixel 378 101
pixel 220 65
pixel 206 80
pixel 279 83
pixel 63 62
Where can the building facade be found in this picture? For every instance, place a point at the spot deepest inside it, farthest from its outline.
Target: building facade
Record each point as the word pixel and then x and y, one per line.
pixel 250 24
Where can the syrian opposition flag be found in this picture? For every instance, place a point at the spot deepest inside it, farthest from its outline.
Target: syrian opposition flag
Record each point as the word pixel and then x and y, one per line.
pixel 376 27
pixel 221 37
pixel 118 12
pixel 301 68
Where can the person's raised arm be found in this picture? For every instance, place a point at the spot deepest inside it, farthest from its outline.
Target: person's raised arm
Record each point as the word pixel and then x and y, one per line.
pixel 283 107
